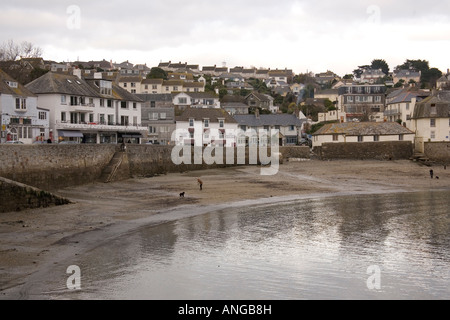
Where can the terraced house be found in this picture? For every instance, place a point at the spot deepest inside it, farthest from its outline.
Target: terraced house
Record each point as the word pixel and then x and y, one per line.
pixel 89 110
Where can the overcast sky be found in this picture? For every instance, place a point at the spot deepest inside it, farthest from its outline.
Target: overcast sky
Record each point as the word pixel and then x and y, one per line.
pixel 301 35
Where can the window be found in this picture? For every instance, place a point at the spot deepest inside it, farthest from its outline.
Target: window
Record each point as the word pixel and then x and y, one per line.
pixel 407 106
pixel 433 123
pixel 63 117
pixel 376 138
pixel 162 116
pixel 191 122
pixel 135 121
pixel 110 119
pixel 335 137
pixel 243 128
pixel 153 116
pixel 91 118
pixel 206 123
pixel 182 100
pixel 133 91
pixel 401 137
pixel 154 87
pixel 175 88
pixel 42 115
pixel 151 130
pixel 125 85
pixel 102 102
pixel 21 104
pixel 350 99
pixel 221 123
pixel 63 99
pixel 360 139
pixel 101 118
pixel 433 109
pixel 124 120
pixel 134 105
pixel 133 85
pixel 433 135
pixel 109 103
pixel 378 99
pixel 152 104
pixel 291 128
pixel 123 105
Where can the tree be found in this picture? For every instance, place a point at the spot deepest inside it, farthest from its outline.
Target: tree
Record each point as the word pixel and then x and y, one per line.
pixel 157 73
pixel 380 64
pixel 11 51
pixel 430 77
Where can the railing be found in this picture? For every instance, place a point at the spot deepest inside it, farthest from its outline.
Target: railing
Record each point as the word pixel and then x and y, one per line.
pixel 98 125
pixel 391 112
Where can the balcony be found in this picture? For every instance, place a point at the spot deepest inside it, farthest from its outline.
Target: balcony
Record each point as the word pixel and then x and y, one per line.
pixel 392 112
pixel 98 126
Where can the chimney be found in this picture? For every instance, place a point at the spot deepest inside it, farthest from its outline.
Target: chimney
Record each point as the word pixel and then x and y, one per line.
pixel 257 113
pixel 77 73
pixel 297 113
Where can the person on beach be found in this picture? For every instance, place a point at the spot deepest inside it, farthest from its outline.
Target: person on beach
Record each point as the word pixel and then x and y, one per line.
pixel 431 173
pixel 200 183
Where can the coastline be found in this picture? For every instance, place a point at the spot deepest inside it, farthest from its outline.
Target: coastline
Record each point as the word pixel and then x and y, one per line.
pixel 36 239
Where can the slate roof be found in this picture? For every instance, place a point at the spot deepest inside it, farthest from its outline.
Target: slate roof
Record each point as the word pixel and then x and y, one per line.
pixel 405 95
pixel 165 97
pixel 363 129
pixel 282 120
pixel 199 114
pixel 441 100
pixel 52 83
pixel 153 81
pixel 6 89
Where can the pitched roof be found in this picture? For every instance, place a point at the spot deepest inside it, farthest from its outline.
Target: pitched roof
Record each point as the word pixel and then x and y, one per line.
pixel 5 88
pixel 63 84
pixel 283 120
pixel 440 100
pixel 199 114
pixel 163 97
pixel 153 81
pixel 363 129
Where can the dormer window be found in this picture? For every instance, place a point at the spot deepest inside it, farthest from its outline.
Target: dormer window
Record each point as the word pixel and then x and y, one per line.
pixel 11 84
pixel 69 81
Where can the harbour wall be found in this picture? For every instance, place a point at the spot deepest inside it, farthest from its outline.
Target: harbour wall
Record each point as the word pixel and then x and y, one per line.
pixel 53 167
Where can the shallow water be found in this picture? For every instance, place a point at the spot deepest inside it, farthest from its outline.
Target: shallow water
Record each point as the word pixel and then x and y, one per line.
pixel 322 248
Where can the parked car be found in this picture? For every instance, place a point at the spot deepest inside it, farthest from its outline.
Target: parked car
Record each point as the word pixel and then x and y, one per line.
pixel 14 142
pixel 69 142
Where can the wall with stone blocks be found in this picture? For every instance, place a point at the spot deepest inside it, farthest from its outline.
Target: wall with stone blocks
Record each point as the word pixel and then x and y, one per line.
pixel 437 151
pixel 395 150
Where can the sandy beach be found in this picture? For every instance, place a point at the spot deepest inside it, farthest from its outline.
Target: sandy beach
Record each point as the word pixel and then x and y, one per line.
pixel 33 239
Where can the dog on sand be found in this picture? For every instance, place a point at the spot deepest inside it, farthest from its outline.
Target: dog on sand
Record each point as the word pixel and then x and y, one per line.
pixel 182 194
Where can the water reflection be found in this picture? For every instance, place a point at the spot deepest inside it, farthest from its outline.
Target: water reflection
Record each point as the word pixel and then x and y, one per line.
pixel 313 249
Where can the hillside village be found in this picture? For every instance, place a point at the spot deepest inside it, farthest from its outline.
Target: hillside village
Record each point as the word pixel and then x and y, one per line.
pixel 101 102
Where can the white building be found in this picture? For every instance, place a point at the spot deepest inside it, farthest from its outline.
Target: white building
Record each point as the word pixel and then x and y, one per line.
pixel 20 118
pixel 290 127
pixel 88 111
pixel 361 132
pixel 203 127
pixel 401 103
pixel 431 119
pixel 195 100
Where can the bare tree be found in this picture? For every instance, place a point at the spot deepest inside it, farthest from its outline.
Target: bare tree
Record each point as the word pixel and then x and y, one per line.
pixel 10 51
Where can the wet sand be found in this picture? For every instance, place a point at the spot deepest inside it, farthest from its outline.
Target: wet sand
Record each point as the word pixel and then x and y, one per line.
pixel 33 240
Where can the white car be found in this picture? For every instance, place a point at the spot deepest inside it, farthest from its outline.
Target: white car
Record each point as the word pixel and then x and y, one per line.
pixel 14 142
